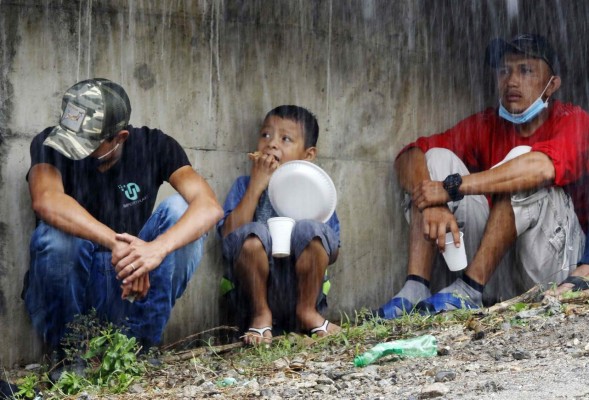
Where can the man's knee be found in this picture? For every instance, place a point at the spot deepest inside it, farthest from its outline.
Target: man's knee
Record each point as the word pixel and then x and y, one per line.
pixel 47 239
pixel 540 208
pixel 443 162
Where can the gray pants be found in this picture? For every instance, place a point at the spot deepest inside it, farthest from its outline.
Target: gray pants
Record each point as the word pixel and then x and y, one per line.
pixel 549 242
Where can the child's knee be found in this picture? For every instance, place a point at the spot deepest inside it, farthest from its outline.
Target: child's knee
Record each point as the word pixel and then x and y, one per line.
pixel 252 247
pixel 306 230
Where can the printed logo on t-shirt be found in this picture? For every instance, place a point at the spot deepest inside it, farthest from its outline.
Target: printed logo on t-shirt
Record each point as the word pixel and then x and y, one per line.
pixel 131 190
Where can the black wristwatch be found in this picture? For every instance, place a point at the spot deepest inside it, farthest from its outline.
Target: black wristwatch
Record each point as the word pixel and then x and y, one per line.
pixel 451 185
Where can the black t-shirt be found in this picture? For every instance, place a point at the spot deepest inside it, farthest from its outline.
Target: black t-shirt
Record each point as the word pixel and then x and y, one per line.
pixel 122 197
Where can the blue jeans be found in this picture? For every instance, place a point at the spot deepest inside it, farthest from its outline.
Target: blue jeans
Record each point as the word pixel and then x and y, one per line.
pixel 69 276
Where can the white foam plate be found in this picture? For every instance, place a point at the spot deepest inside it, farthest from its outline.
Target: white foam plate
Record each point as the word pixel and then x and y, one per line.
pixel 515 152
pixel 302 190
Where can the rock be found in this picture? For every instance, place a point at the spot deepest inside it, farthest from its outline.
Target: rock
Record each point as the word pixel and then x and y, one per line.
pixel 281 363
pixel 190 391
pixel 472 367
pixel 355 375
pixel 496 354
pixel 252 385
pixel 520 355
pixel 324 380
pixel 310 376
pixel 576 353
pixel 84 396
pixel 208 387
pixel 31 367
pixel 335 375
pixel 199 380
pixel 434 390
pixel 288 393
pixel 324 388
pixel 394 378
pixel 136 388
pixel 306 383
pixel 371 370
pixel 445 376
pixel 491 386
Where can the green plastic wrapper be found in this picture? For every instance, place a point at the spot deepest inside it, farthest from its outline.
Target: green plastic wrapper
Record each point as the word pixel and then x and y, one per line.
pixel 421 346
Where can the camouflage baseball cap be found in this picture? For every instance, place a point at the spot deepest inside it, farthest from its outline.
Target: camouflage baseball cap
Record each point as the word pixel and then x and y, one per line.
pixel 92 111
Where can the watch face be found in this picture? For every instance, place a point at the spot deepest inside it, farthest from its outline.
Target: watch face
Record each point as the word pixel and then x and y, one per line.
pixel 451 184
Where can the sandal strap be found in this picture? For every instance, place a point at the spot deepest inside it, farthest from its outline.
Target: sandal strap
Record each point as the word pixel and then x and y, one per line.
pixel 260 331
pixel 579 283
pixel 322 328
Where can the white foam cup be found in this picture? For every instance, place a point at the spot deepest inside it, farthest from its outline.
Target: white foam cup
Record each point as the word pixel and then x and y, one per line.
pixel 280 230
pixel 455 257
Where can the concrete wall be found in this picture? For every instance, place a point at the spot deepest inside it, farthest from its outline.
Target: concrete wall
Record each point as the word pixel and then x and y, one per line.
pixel 377 73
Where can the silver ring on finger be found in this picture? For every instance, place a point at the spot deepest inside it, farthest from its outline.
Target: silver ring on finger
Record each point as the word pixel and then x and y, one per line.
pixel 132 267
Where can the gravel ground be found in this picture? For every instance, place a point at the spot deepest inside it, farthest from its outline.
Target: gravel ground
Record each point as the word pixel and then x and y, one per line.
pixel 510 356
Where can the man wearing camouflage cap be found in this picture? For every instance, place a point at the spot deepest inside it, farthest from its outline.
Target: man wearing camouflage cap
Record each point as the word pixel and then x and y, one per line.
pixel 93 182
pixel 506 178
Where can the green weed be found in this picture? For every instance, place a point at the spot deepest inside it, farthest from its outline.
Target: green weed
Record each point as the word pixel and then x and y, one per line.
pixel 26 387
pixel 113 360
pixel 110 356
pixel 517 307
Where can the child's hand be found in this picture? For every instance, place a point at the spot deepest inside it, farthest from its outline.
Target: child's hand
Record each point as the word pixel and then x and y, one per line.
pixel 263 166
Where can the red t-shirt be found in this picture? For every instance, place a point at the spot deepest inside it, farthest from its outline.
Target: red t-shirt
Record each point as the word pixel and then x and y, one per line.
pixel 484 139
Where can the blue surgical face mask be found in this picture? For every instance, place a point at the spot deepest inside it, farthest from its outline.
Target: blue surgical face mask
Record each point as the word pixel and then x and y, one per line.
pixel 530 113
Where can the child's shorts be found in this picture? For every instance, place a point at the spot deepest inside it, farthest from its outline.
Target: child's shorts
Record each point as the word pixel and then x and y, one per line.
pixel 282 287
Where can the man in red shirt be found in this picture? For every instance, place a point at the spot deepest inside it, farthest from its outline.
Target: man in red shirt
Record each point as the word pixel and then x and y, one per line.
pixel 517 213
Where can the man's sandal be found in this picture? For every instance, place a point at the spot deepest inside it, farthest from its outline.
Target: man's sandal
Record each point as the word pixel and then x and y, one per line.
pixel 258 333
pixel 441 302
pixel 579 283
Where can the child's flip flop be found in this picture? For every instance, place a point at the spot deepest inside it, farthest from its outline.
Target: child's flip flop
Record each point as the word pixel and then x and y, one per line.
pixel 258 335
pixel 321 328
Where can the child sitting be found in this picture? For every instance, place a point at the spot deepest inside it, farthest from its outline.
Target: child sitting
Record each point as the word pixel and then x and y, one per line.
pixel 270 291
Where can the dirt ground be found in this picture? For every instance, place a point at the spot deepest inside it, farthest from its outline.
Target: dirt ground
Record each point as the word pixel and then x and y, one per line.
pixel 538 351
